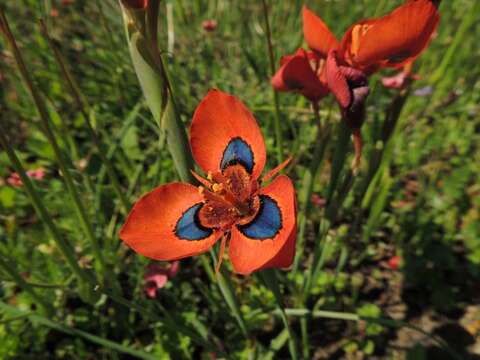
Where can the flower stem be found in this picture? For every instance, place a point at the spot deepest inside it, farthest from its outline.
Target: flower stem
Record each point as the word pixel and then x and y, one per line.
pixel 45 120
pixel 82 105
pixel 42 212
pixel 271 56
pixel 10 270
pixel 269 278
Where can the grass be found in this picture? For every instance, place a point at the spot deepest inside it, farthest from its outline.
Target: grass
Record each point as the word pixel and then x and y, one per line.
pixel 415 196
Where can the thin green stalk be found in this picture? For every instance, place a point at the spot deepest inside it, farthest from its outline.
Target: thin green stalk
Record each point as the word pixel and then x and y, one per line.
pixel 226 288
pixel 270 280
pixel 12 272
pixel 277 123
pixel 45 119
pixel 82 106
pixel 309 180
pixel 42 212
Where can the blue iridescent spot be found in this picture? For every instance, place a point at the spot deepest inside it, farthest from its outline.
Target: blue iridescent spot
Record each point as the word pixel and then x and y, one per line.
pixel 267 223
pixel 188 226
pixel 237 152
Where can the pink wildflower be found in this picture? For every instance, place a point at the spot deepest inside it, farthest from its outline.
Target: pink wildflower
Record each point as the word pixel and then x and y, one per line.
pixel 156 276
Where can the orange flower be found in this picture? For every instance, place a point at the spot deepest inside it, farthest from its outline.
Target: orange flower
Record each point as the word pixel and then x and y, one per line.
pixel 393 40
pixel 179 220
pixel 303 72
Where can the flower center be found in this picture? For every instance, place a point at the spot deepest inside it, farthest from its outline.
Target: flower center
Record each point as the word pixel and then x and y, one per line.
pixel 229 199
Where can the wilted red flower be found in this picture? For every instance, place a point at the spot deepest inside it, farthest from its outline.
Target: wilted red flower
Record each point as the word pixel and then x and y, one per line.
pixel 36 174
pixel 179 220
pixel 209 25
pixel 67 2
pixel 303 72
pixel 135 4
pixel 156 276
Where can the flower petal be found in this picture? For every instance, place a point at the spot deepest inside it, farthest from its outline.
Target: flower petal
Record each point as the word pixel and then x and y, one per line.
pixel 392 40
pixel 269 239
pixel 163 224
pixel 224 132
pixel 317 34
pixel 296 74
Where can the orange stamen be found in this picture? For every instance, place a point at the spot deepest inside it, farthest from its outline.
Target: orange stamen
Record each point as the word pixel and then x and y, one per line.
pixel 279 168
pixel 201 180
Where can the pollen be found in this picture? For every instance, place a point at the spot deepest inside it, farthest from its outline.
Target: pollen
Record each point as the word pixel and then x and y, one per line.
pixel 210 176
pixel 201 190
pixel 217 187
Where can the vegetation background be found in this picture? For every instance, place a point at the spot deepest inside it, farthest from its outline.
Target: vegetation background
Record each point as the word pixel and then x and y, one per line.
pixel 415 201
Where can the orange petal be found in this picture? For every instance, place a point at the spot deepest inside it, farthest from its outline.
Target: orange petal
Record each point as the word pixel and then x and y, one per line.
pixel 163 224
pixel 317 34
pixel 296 74
pixel 392 40
pixel 269 239
pixel 224 132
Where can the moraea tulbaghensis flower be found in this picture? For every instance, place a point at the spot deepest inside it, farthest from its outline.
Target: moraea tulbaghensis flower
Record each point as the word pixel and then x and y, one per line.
pixel 393 40
pixel 303 72
pixel 179 220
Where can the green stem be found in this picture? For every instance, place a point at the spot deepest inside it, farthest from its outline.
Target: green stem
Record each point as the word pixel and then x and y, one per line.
pixel 277 123
pixel 10 270
pixel 227 291
pixel 83 106
pixel 42 212
pixel 309 181
pixel 45 119
pixel 270 280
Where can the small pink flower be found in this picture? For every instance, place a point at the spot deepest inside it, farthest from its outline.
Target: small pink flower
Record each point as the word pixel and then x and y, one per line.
pixel 394 262
pixel 36 174
pixel 54 13
pixel 14 180
pixel 156 277
pixel 209 25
